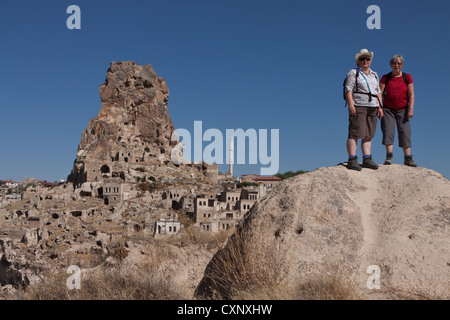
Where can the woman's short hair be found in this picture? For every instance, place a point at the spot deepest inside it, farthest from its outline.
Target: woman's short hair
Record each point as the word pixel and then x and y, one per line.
pixel 395 58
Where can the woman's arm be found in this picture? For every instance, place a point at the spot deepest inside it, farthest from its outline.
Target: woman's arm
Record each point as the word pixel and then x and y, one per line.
pixel 380 107
pixel 382 86
pixel 411 100
pixel 351 107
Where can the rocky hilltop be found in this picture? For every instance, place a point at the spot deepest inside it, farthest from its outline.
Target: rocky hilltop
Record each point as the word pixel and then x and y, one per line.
pixel 334 222
pixel 130 140
pixel 316 231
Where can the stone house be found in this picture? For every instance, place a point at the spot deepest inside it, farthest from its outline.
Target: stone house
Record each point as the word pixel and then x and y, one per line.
pixel 214 213
pixel 268 182
pixel 245 205
pixel 249 177
pixel 250 196
pixel 205 206
pixel 167 226
pixel 221 221
pixel 174 195
pixel 231 197
pixel 113 193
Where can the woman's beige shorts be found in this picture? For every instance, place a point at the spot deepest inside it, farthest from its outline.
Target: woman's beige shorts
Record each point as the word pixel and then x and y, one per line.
pixel 363 123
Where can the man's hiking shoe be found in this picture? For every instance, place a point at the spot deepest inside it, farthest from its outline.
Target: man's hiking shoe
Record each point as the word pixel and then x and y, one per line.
pixel 353 164
pixel 369 163
pixel 389 157
pixel 409 161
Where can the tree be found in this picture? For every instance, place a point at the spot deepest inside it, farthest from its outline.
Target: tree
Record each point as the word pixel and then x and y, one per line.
pixel 289 174
pixel 247 184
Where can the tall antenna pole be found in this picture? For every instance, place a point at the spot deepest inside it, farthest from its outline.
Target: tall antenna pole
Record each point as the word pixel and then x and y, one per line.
pixel 231 155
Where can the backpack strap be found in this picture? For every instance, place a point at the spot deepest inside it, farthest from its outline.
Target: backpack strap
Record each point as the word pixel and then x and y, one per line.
pixel 405 78
pixel 356 78
pixel 388 77
pixel 368 87
pixel 370 94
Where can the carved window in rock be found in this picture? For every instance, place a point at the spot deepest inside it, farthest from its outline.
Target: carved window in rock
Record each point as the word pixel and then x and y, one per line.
pixel 105 169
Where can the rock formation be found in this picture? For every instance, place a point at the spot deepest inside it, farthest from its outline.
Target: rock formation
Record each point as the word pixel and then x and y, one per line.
pixel 335 220
pixel 130 139
pixel 129 142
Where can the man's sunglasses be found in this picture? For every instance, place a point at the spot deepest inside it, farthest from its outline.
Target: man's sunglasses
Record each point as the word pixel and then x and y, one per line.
pixel 364 59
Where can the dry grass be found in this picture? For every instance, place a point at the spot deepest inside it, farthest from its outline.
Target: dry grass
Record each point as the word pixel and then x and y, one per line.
pixel 433 293
pixel 331 286
pixel 262 279
pixel 250 267
pixel 193 235
pixel 245 267
pixel 119 282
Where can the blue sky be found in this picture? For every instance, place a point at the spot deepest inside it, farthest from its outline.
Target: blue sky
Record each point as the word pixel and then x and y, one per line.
pixel 231 64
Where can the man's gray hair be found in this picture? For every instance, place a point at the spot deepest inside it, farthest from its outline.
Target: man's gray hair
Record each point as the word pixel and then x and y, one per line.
pixel 395 58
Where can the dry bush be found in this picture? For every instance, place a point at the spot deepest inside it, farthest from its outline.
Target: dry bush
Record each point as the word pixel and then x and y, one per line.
pixel 333 285
pixel 120 253
pixel 245 266
pixel 149 186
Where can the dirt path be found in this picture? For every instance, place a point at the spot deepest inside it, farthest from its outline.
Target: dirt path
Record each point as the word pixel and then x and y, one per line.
pixel 365 199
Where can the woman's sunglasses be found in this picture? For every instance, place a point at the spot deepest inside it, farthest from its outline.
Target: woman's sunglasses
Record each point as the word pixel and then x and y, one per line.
pixel 364 59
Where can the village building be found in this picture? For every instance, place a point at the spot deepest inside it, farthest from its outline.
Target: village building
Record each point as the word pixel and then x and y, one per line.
pixel 174 195
pixel 113 193
pixel 224 211
pixel 249 177
pixel 221 221
pixel 187 203
pixel 168 225
pixel 36 189
pixel 205 206
pixel 269 182
pixel 11 184
pixel 231 197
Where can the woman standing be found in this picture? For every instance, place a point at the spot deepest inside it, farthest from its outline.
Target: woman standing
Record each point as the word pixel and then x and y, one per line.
pixel 398 109
pixel 363 95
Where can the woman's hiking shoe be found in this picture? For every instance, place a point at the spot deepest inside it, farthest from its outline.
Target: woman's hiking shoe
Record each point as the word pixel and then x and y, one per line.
pixel 353 164
pixel 369 163
pixel 389 157
pixel 409 161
